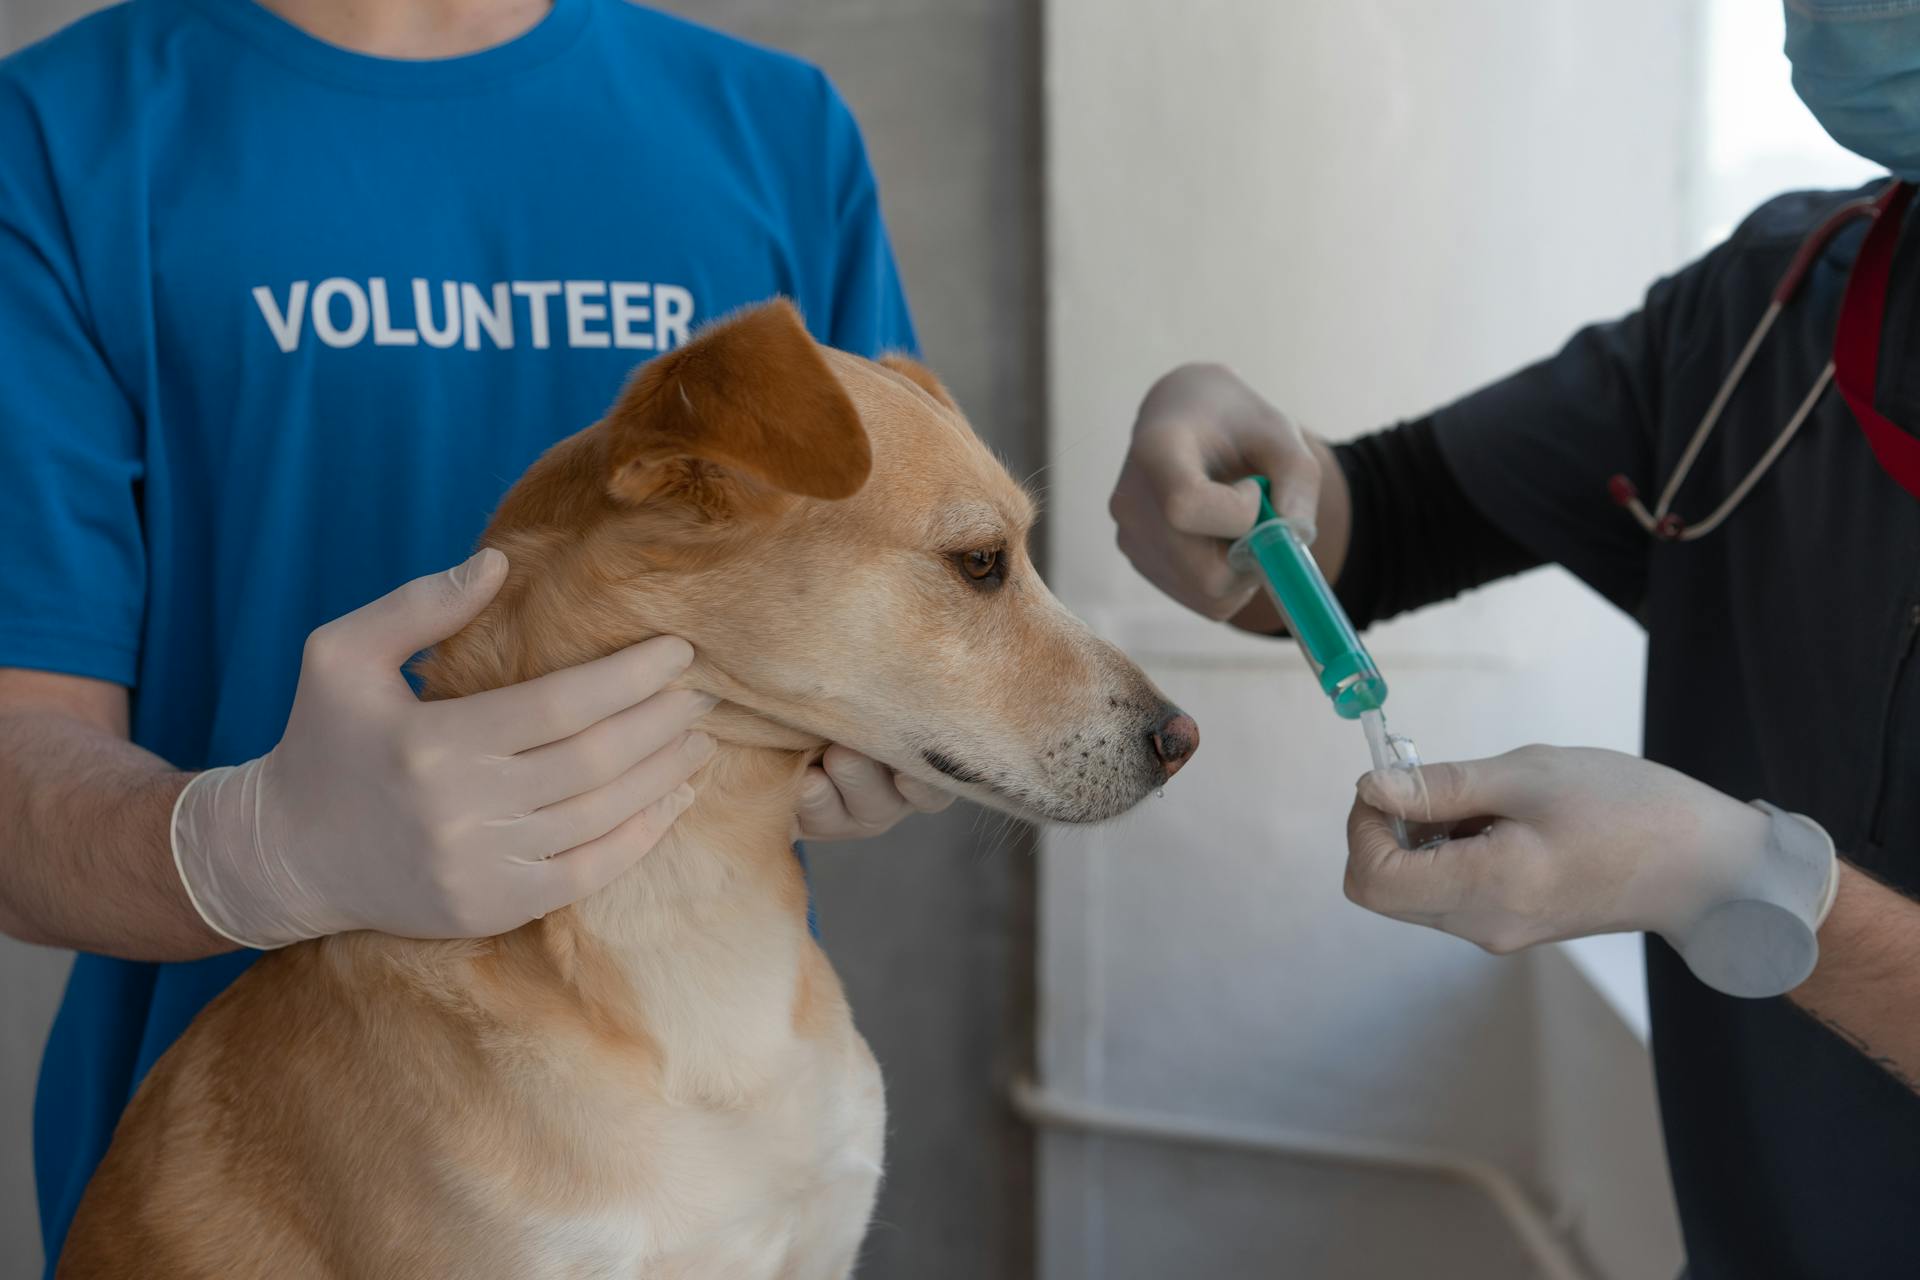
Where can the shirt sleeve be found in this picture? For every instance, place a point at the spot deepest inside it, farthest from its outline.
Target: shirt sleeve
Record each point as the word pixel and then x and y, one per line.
pixel 1416 538
pixel 1534 452
pixel 869 305
pixel 73 573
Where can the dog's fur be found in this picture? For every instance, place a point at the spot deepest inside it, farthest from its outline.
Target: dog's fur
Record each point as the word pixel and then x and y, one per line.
pixel 663 1080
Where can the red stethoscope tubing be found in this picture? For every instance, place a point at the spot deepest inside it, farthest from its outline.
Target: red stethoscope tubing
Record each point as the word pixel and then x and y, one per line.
pixel 1856 343
pixel 1854 368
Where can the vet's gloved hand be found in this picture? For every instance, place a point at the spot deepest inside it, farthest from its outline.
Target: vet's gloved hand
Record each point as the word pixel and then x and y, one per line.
pixel 848 795
pixel 1577 841
pixel 458 818
pixel 1176 516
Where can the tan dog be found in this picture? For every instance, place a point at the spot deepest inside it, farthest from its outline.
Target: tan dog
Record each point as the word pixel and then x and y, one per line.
pixel 663 1080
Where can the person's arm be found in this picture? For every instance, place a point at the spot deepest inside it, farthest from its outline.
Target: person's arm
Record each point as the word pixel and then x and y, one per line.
pixel 1513 475
pixel 1392 529
pixel 1415 538
pixel 1185 491
pixel 1866 988
pixel 84 856
pixel 1557 842
pixel 463 817
pixel 86 861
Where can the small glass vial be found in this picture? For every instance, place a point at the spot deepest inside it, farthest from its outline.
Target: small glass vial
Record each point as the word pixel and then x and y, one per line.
pixel 1396 751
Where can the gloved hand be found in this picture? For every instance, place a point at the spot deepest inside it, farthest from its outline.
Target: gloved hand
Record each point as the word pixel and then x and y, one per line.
pixel 1177 516
pixel 1554 843
pixel 458 818
pixel 848 795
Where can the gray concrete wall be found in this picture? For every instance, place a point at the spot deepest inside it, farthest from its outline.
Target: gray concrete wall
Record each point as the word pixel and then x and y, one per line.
pixel 31 978
pixel 930 927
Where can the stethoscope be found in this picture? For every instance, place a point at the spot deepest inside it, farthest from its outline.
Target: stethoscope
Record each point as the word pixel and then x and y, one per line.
pixel 1854 365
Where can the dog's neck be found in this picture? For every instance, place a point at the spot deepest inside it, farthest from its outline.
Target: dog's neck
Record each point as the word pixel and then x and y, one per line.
pixel 707 931
pixel 697 950
pixel 699 947
pixel 740 825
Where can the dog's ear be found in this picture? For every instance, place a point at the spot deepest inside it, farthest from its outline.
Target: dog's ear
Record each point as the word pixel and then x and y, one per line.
pixel 920 376
pixel 747 407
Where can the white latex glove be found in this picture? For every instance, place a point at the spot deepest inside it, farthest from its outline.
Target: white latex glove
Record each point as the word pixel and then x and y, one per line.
pixel 1577 841
pixel 1176 516
pixel 464 817
pixel 848 795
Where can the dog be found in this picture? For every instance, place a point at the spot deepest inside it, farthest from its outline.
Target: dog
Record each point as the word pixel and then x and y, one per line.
pixel 662 1081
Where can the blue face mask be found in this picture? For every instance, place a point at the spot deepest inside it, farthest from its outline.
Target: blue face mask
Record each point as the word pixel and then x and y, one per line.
pixel 1856 64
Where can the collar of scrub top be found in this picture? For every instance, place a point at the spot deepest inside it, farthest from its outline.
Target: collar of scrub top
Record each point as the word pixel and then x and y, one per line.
pixel 1854 368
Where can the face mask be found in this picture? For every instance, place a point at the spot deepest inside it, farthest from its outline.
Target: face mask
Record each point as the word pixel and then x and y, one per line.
pixel 1856 64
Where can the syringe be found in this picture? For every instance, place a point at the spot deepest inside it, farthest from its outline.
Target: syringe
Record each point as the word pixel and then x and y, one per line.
pixel 1395 751
pixel 1340 662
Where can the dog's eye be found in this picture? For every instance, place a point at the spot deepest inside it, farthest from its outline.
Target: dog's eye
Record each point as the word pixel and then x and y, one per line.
pixel 983 568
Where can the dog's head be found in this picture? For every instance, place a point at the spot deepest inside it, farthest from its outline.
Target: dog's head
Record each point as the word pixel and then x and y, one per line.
pixel 849 562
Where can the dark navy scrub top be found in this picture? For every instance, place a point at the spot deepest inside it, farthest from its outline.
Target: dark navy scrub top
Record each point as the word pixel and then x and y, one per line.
pixel 1782 665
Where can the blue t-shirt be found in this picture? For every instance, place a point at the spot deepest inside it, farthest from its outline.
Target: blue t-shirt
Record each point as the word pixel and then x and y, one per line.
pixel 280 323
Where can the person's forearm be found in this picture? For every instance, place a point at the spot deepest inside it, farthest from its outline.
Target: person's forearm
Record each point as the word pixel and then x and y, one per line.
pixel 1397 530
pixel 86 859
pixel 1333 529
pixel 1866 989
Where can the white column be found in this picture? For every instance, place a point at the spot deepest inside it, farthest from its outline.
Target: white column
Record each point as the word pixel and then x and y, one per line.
pixel 1367 208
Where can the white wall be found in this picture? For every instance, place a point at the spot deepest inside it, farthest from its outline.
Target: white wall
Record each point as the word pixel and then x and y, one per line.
pixel 1367 208
pixel 1758 138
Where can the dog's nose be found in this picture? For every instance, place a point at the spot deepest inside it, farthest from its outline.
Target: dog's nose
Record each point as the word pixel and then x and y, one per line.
pixel 1175 739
